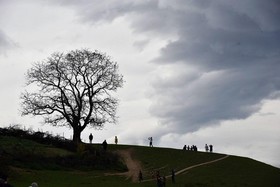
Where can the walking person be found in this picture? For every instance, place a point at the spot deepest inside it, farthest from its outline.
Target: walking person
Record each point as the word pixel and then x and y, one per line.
pixel 173 176
pixel 140 176
pixel 163 181
pixel 158 182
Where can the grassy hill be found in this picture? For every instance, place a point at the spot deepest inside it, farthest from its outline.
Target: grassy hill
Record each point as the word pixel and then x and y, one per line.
pixel 48 165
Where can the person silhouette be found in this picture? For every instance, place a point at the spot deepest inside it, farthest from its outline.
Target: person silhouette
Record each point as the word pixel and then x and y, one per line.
pixel 90 138
pixel 34 184
pixel 163 181
pixel 140 176
pixel 116 140
pixel 173 175
pixel 151 141
pixel 211 148
pixel 206 148
pixel 104 144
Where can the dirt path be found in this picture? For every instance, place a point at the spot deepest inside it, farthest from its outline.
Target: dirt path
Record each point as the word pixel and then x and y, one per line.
pixel 134 166
pixel 197 165
pixel 193 166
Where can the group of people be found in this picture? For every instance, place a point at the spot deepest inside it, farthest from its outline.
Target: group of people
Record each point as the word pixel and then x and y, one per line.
pixel 90 137
pixel 161 180
pixel 208 148
pixel 104 142
pixel 4 181
pixel 190 148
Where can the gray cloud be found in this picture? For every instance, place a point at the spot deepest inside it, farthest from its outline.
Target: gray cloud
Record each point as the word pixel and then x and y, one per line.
pixel 213 96
pixel 232 45
pixel 5 42
pixel 222 39
pixel 98 11
pixel 239 62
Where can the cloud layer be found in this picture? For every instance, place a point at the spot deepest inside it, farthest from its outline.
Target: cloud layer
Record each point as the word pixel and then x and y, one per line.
pixel 223 63
pixel 236 57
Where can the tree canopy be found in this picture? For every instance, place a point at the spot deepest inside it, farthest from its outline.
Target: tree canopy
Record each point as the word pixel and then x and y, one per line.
pixel 73 89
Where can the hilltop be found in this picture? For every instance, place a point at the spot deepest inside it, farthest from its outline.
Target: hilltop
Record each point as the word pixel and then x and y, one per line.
pixel 25 161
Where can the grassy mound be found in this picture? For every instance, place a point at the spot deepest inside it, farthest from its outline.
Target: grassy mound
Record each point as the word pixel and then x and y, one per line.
pixel 25 160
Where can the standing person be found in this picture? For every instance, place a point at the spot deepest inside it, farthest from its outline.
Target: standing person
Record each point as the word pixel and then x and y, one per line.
pixel 116 140
pixel 173 176
pixel 151 141
pixel 163 181
pixel 158 182
pixel 90 138
pixel 206 148
pixel 185 148
pixel 140 176
pixel 211 148
pixel 34 184
pixel 104 144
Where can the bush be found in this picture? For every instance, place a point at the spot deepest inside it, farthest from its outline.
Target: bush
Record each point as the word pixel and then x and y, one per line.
pixel 40 137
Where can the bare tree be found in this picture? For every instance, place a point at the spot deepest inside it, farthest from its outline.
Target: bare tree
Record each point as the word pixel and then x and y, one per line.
pixel 73 89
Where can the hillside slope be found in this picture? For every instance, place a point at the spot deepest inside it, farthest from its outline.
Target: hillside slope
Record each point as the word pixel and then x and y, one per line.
pixel 205 169
pixel 193 168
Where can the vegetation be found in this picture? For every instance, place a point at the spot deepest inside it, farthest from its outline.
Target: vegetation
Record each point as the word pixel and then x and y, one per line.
pixel 74 90
pixel 22 151
pixel 26 160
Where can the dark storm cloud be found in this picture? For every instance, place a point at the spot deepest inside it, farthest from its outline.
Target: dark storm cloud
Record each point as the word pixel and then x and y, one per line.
pixel 233 46
pixel 214 96
pixel 238 58
pixel 239 62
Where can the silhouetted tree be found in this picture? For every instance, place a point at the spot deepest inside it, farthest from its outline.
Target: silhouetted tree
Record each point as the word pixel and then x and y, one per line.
pixel 75 90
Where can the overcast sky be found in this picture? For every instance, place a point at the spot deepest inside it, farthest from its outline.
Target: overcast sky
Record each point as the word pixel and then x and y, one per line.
pixel 196 71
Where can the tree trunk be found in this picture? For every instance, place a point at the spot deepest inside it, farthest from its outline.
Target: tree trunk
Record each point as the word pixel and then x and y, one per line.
pixel 77 135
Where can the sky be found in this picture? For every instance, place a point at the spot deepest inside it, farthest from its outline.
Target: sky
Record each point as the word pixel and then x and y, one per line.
pixel 196 72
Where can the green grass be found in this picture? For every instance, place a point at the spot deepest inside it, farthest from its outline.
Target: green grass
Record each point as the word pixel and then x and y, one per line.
pixel 54 178
pixel 14 145
pixel 165 159
pixel 230 172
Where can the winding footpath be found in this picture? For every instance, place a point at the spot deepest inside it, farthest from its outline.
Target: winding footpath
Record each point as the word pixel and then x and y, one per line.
pixel 134 166
pixel 193 166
